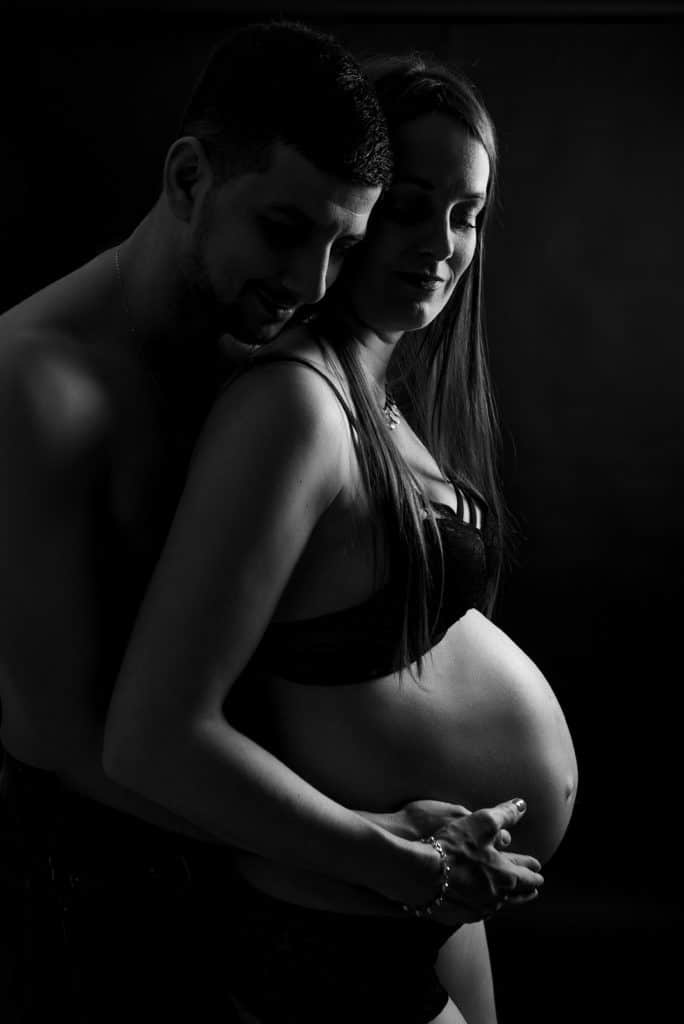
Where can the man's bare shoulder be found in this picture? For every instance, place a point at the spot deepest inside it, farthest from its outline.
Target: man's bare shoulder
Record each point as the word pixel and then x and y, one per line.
pixel 54 378
pixel 53 400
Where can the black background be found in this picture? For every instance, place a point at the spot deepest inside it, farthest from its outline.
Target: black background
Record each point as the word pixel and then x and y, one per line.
pixel 584 309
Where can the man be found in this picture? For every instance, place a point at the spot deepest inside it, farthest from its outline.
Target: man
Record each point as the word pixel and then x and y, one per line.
pixel 105 378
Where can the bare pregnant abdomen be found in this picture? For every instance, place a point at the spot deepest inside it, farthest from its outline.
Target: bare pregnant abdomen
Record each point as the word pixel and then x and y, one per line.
pixel 481 725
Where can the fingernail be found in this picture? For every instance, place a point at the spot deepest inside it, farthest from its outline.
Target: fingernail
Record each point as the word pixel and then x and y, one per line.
pixel 521 805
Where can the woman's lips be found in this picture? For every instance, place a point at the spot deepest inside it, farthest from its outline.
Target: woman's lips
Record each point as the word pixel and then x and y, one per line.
pixel 421 282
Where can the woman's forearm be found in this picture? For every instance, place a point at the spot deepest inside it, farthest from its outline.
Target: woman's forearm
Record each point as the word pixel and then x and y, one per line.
pixel 230 787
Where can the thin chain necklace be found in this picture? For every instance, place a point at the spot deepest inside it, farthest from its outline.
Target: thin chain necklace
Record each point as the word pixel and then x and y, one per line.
pixel 152 375
pixel 390 411
pixel 122 292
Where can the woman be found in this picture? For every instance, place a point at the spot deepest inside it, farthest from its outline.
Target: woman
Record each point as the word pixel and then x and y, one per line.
pixel 364 545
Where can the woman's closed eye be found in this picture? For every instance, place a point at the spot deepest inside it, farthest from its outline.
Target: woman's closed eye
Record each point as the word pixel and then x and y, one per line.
pixel 464 219
pixel 411 210
pixel 465 214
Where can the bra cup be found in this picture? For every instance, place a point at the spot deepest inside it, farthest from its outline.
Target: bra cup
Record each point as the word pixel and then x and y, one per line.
pixel 359 643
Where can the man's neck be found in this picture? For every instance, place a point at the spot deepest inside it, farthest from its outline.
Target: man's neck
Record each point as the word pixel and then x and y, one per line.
pixel 161 312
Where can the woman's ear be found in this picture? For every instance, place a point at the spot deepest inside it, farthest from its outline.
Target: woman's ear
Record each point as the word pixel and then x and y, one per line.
pixel 187 175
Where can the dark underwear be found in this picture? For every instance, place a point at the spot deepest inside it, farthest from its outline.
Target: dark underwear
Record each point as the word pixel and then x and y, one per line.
pixel 102 918
pixel 297 965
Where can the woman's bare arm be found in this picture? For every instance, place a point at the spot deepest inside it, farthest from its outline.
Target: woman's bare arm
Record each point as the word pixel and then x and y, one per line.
pixel 268 464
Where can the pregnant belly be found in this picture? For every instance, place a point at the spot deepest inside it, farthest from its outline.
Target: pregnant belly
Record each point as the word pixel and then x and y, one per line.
pixel 481 725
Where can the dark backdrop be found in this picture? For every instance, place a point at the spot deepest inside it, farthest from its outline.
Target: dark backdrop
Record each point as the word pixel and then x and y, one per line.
pixel 585 303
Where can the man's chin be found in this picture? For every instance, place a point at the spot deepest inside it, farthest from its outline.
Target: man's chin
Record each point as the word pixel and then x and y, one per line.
pixel 270 331
pixel 262 333
pixel 250 322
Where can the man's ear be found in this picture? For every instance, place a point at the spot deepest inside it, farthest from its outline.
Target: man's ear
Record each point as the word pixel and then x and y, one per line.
pixel 187 174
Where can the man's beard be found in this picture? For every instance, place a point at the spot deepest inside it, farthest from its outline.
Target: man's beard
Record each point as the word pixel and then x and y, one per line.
pixel 200 300
pixel 203 302
pixel 223 317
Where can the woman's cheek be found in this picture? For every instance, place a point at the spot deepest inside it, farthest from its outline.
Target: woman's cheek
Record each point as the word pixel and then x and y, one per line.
pixel 462 258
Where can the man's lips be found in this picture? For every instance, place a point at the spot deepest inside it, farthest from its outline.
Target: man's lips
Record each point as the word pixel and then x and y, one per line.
pixel 279 307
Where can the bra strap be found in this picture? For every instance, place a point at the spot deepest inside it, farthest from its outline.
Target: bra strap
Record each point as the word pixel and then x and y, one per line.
pixel 277 358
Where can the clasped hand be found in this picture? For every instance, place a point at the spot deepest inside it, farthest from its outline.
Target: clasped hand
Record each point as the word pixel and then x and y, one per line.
pixel 483 876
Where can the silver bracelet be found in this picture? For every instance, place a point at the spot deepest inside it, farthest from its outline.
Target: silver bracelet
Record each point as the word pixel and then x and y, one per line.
pixel 445 868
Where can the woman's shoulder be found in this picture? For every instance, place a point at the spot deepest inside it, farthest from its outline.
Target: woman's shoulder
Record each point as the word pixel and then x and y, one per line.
pixel 298 343
pixel 299 374
pixel 283 397
pixel 277 417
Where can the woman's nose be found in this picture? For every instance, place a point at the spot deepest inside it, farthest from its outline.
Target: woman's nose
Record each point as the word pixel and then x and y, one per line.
pixel 438 240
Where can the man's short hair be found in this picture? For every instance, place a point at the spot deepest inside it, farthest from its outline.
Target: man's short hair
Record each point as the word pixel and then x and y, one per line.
pixel 285 82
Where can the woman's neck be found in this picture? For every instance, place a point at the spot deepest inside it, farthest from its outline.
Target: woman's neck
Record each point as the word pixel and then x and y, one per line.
pixel 374 348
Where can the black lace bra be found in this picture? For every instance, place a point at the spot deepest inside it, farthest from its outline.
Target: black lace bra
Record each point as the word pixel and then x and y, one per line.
pixel 360 642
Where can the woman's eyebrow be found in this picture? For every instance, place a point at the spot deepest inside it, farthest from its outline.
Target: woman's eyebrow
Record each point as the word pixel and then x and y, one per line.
pixel 415 179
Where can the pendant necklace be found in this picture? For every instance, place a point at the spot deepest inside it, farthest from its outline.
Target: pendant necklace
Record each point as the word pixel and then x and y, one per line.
pixel 390 411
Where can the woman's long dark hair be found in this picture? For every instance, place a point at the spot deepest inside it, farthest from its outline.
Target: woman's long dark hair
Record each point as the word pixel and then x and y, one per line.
pixel 439 374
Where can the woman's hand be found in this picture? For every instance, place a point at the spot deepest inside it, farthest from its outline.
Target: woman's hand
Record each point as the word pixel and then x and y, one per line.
pixel 482 876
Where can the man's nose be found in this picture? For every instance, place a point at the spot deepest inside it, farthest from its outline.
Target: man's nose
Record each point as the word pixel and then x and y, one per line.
pixel 307 275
